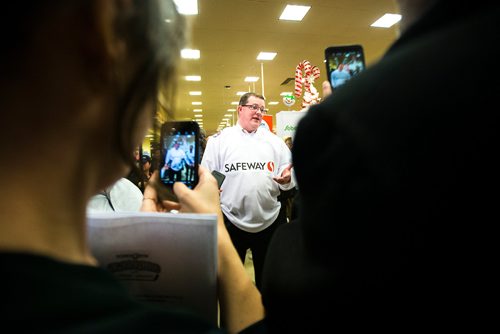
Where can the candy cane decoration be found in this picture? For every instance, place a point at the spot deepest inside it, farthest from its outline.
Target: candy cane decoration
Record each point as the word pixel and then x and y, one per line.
pixel 306 67
pixel 305 75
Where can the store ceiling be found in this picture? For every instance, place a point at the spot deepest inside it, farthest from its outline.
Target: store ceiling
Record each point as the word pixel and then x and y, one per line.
pixel 231 33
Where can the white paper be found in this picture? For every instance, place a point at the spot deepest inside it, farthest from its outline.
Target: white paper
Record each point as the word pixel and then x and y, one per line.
pixel 164 258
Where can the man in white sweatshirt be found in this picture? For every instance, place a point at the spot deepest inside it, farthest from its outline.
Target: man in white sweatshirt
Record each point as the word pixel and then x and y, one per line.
pixel 257 164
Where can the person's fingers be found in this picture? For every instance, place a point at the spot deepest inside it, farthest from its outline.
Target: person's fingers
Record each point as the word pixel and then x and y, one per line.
pixel 170 205
pixel 150 191
pixel 150 197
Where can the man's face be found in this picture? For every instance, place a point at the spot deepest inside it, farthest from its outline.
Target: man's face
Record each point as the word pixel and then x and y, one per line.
pixel 248 118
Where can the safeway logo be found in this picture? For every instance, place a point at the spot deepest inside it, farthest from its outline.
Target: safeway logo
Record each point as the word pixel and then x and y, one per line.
pixel 237 166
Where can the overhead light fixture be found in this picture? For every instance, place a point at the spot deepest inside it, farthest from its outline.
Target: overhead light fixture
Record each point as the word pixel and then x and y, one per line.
pixel 187 7
pixel 228 115
pixel 198 115
pixel 196 103
pixel 193 78
pixel 286 93
pixel 266 55
pixel 235 103
pixel 241 93
pixel 386 21
pixel 231 110
pixel 251 79
pixel 190 54
pixel 197 110
pixel 195 93
pixel 294 12
pixel 273 103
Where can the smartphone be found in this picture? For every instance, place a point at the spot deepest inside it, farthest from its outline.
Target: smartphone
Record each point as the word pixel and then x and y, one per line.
pixel 179 146
pixel 219 177
pixel 343 62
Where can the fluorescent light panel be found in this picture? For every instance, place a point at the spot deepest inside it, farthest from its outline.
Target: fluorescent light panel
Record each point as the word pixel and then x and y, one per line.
pixel 198 115
pixel 187 7
pixel 197 110
pixel 196 103
pixel 231 110
pixel 190 54
pixel 241 93
pixel 273 103
pixel 195 93
pixel 286 93
pixel 386 21
pixel 266 55
pixel 193 78
pixel 235 103
pixel 294 12
pixel 251 79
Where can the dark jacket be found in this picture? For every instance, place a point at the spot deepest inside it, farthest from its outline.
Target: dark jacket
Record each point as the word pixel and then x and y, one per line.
pixel 401 229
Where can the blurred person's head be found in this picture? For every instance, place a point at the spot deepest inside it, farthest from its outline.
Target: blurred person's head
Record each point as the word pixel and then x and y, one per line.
pixel 146 162
pixel 251 108
pixel 289 142
pixel 91 70
pixel 327 88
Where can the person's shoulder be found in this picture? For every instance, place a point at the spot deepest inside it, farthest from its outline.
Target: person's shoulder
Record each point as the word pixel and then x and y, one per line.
pixel 222 133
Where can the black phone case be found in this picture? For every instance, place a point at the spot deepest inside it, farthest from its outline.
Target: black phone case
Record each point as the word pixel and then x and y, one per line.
pixel 219 177
pixel 181 132
pixel 336 57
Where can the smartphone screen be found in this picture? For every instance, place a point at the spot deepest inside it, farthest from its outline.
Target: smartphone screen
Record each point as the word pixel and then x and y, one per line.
pixel 179 153
pixel 343 63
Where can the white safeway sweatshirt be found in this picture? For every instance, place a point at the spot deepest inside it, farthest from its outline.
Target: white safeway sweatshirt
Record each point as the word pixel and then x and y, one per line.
pixel 249 161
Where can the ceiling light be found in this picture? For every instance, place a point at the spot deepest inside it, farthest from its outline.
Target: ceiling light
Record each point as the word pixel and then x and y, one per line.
pixel 251 79
pixel 196 103
pixel 266 55
pixel 197 110
pixel 294 13
pixel 241 93
pixel 273 103
pixel 387 21
pixel 190 54
pixel 286 93
pixel 195 93
pixel 198 115
pixel 228 115
pixel 231 110
pixel 193 78
pixel 187 7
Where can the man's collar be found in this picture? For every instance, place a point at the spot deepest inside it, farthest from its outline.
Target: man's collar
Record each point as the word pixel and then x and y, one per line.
pixel 243 130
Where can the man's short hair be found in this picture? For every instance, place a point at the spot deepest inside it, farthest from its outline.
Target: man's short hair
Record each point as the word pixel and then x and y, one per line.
pixel 244 98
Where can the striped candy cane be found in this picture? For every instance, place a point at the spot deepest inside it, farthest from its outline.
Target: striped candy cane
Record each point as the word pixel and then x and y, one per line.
pixel 299 77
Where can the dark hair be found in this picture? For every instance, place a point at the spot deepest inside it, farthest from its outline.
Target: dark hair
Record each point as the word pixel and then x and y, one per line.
pixel 244 98
pixel 152 33
pixel 155 33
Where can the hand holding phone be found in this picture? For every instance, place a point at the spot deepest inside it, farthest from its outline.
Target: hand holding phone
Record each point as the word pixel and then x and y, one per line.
pixel 342 63
pixel 179 161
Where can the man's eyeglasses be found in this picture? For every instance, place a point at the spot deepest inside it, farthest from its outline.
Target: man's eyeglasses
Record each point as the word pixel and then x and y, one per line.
pixel 255 107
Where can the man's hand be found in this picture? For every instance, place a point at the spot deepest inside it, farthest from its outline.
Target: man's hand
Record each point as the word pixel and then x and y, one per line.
pixel 286 175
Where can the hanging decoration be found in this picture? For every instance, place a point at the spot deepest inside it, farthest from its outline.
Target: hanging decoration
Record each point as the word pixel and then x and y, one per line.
pixel 305 75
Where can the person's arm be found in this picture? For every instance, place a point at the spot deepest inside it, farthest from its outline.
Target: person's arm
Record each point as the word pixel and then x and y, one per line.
pixel 240 301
